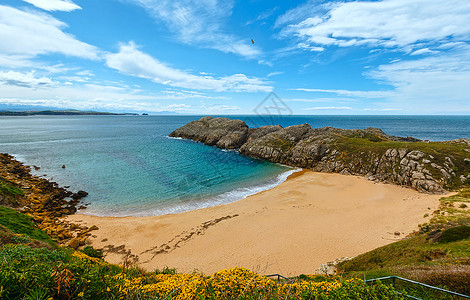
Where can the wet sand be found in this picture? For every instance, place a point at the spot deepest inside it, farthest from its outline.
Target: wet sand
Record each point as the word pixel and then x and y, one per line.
pixel 310 219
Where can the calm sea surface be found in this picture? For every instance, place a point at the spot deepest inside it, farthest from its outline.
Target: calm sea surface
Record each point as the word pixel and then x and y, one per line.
pixel 129 166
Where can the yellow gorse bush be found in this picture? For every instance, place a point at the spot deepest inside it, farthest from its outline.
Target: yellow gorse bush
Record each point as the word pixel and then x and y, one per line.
pixel 225 284
pixel 82 256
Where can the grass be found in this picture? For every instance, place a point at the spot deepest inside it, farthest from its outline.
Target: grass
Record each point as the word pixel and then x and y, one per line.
pixel 455 234
pixel 9 192
pixel 451 210
pixel 283 145
pixel 19 223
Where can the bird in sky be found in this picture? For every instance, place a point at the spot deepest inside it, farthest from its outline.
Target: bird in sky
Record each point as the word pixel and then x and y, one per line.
pixel 253 42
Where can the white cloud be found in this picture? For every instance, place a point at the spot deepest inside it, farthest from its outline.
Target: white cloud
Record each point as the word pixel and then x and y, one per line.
pixel 274 74
pixel 178 107
pixel 131 61
pixel 200 22
pixel 382 109
pixel 24 35
pixel 218 108
pixel 329 108
pixel 265 62
pixel 85 73
pixel 433 84
pixel 310 48
pixel 24 79
pixel 359 94
pixel 18 88
pixel 184 94
pixel 264 15
pixel 387 23
pixel 54 5
pixel 424 51
pixel 336 99
pixel 426 84
pixel 302 12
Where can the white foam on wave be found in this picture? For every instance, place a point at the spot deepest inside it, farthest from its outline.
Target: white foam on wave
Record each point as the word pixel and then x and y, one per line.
pixel 198 203
pixel 19 157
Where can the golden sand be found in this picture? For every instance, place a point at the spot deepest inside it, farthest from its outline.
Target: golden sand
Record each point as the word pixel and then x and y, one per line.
pixel 310 219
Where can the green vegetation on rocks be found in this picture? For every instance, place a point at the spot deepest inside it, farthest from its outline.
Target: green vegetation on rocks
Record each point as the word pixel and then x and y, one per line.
pixel 19 223
pixel 9 193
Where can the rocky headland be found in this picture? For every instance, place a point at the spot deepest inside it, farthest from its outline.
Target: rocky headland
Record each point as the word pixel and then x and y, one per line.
pixel 431 167
pixel 42 199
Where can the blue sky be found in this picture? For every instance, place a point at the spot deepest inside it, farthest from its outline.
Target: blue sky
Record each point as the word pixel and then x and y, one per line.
pixel 196 57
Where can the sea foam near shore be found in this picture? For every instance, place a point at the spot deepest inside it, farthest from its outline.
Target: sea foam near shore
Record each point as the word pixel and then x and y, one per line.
pixel 199 201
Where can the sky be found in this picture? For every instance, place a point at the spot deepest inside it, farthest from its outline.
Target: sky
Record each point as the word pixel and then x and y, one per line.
pixel 387 57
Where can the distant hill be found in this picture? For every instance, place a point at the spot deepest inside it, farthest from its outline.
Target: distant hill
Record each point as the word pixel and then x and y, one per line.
pixel 61 112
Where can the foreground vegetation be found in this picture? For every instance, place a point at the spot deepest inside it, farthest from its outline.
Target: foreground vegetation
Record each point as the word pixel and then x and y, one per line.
pixel 33 266
pixel 438 254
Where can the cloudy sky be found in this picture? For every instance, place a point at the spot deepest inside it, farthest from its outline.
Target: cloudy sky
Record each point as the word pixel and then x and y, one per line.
pixel 197 56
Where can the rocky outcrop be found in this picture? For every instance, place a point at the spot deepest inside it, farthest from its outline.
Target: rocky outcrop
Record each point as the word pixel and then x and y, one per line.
pixel 221 132
pixel 425 166
pixel 42 199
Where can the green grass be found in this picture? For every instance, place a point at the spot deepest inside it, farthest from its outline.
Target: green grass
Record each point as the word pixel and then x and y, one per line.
pixel 450 210
pixel 19 223
pixel 455 234
pixel 283 145
pixel 9 192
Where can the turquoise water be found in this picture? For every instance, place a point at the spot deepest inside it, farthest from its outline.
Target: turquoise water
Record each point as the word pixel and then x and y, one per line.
pixel 129 165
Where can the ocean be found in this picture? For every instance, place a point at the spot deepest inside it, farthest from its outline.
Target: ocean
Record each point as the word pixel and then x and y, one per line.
pixel 130 167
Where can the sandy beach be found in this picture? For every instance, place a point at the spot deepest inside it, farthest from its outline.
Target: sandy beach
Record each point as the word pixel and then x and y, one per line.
pixel 310 219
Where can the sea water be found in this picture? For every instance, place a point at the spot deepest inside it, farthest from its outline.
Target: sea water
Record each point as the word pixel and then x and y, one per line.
pixel 129 165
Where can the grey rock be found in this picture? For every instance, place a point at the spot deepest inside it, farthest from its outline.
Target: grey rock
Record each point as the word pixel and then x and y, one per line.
pixel 402 152
pixel 445 174
pixel 449 161
pixel 415 155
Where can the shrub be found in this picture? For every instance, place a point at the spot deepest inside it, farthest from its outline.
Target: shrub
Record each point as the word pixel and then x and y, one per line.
pixel 92 252
pixel 455 234
pixel 166 270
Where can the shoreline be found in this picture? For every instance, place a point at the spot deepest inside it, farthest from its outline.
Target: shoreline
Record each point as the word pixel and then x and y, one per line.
pixel 307 220
pixel 223 198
